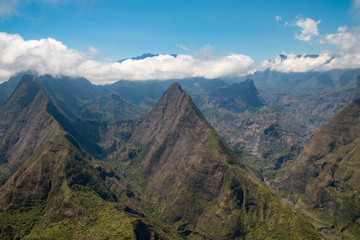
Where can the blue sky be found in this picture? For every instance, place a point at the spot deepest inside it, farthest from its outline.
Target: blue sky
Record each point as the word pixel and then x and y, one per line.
pixel 126 28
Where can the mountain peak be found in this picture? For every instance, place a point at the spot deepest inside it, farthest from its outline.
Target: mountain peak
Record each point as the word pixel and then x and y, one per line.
pixel 26 90
pixel 174 107
pixel 173 102
pixel 144 56
pixel 27 78
pixel 189 173
pixel 236 97
pixel 250 82
pixel 174 89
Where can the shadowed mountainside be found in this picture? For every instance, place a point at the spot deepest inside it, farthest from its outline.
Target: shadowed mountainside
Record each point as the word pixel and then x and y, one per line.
pixel 24 126
pixel 51 187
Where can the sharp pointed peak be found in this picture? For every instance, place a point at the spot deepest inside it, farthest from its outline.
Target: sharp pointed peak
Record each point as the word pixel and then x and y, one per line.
pixel 172 111
pixel 249 81
pixel 171 98
pixel 175 87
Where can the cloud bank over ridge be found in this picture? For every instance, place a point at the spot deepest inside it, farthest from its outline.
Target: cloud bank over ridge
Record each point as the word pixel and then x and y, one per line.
pixel 49 56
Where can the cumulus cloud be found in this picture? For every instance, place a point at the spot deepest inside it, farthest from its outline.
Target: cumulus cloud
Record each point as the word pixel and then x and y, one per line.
pixel 308 29
pixel 295 63
pixel 348 56
pixel 347 40
pixel 183 47
pixel 43 56
pixel 168 67
pixel 278 18
pixel 348 43
pixel 49 56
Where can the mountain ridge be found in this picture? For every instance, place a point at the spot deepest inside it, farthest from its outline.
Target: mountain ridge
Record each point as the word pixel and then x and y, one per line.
pixel 323 180
pixel 55 191
pixel 171 170
pixel 177 159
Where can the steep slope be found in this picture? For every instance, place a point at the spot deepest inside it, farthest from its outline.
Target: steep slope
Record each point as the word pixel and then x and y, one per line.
pixel 24 125
pixel 27 120
pixel 57 194
pixel 71 93
pixel 7 88
pixel 324 179
pixel 51 187
pixel 186 175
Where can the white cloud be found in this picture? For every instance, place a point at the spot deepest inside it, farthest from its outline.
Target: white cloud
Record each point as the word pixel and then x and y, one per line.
pixel 42 56
pixel 183 47
pixel 167 67
pixel 278 18
pixel 348 56
pixel 347 40
pixel 349 61
pixel 308 29
pixel 295 63
pixel 49 56
pixel 348 43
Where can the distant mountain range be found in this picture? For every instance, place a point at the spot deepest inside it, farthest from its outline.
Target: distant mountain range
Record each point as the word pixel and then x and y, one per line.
pixel 164 165
pixel 283 56
pixel 144 56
